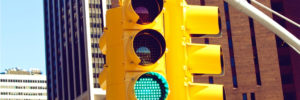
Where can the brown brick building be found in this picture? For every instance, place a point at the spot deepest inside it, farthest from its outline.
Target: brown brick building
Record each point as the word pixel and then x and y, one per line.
pixel 250 57
pixel 258 65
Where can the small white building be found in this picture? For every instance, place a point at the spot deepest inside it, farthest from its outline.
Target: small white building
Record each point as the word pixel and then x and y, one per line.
pixel 23 87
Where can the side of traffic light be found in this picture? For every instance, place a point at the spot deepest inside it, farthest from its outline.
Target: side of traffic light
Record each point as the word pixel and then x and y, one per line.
pixel 184 58
pixel 112 77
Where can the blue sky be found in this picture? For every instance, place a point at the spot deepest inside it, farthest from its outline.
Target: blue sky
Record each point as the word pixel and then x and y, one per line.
pixel 22 34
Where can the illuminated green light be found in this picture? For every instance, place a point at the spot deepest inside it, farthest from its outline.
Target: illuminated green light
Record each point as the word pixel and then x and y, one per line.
pixel 151 86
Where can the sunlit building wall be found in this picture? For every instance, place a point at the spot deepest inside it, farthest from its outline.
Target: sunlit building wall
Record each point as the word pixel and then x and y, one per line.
pixel 258 65
pixel 23 87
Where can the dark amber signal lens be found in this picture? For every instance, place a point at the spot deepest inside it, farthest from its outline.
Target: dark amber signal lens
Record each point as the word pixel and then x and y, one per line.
pixel 149 45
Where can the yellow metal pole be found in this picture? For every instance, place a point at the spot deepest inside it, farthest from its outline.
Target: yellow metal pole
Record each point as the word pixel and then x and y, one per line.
pixel 175 57
pixel 115 56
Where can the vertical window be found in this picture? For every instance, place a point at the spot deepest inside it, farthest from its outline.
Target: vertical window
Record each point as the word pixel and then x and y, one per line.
pixel 252 96
pixel 254 49
pixel 244 96
pixel 230 44
pixel 211 79
pixel 224 94
pixel 234 80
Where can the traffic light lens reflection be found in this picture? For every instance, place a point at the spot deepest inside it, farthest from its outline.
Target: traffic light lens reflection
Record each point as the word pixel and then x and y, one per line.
pixel 149 46
pixel 151 86
pixel 144 53
pixel 147 10
pixel 143 14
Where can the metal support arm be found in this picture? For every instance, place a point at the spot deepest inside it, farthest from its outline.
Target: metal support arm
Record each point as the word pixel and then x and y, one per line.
pixel 245 7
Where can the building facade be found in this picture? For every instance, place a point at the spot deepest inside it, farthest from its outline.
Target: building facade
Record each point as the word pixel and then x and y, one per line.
pixel 97 12
pixel 22 85
pixel 73 58
pixel 258 65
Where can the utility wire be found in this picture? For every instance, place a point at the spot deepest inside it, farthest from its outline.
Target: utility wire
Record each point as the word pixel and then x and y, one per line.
pixel 274 12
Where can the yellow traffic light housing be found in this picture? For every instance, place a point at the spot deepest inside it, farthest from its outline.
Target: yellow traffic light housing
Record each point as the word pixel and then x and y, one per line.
pixel 204 59
pixel 148 50
pixel 135 47
pixel 183 58
pixel 205 91
pixel 202 20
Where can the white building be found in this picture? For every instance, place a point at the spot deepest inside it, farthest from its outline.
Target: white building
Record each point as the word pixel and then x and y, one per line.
pixel 23 87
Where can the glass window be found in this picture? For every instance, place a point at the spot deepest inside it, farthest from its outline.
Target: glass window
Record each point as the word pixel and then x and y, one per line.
pixel 244 96
pixel 252 96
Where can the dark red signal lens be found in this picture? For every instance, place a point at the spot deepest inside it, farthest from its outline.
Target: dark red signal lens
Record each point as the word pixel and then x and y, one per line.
pixel 147 10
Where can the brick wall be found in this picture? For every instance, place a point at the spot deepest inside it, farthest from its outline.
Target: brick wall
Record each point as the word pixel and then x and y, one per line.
pixel 251 57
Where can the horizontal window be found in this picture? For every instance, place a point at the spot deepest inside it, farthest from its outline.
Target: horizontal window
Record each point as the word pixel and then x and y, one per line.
pixel 93 15
pixel 22 93
pixel 95 35
pixel 95 45
pixel 23 87
pixel 24 81
pixel 95 5
pixel 95 25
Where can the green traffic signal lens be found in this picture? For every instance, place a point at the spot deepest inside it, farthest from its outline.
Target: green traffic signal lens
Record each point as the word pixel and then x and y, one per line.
pixel 151 86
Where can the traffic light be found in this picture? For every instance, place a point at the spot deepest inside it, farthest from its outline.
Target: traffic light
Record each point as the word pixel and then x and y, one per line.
pixel 134 44
pixel 184 58
pixel 149 53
